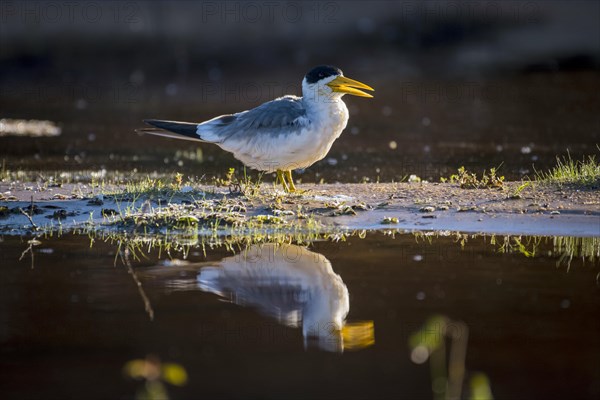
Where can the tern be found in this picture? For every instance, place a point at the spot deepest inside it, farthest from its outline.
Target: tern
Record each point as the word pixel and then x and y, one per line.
pixel 281 135
pixel 297 287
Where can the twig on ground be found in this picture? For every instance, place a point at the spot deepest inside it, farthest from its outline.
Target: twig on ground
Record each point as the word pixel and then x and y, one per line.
pixel 30 215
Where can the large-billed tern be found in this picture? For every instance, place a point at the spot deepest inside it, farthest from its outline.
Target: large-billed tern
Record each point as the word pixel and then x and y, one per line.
pixel 296 286
pixel 283 134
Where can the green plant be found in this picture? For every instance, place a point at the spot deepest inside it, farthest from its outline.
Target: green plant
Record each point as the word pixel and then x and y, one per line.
pixel 516 194
pixel 177 181
pixel 227 180
pixel 568 171
pixel 469 180
pixel 444 343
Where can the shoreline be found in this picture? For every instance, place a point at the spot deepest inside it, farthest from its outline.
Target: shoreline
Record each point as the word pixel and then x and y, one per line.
pixel 539 209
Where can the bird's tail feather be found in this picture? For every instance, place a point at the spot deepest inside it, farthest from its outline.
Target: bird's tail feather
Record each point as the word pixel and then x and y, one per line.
pixel 172 129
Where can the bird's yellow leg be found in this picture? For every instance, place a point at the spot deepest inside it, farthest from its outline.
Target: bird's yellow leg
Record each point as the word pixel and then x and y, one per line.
pixel 281 179
pixel 288 174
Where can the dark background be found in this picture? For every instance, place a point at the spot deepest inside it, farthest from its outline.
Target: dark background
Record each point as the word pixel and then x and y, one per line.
pixel 480 84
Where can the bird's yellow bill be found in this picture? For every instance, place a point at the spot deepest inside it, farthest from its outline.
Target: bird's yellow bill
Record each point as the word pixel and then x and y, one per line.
pixel 346 85
pixel 358 335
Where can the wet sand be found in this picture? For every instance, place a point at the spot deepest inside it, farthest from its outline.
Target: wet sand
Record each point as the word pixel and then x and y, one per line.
pixel 538 209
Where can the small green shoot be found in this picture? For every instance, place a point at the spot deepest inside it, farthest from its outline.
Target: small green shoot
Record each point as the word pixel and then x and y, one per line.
pixel 516 194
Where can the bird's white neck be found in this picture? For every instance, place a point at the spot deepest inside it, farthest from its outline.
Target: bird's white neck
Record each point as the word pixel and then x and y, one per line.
pixel 315 96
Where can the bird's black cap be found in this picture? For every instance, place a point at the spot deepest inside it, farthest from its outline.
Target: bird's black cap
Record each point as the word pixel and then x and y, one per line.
pixel 321 72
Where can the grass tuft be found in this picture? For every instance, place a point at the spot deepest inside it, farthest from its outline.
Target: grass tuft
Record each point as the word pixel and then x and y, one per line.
pixel 571 172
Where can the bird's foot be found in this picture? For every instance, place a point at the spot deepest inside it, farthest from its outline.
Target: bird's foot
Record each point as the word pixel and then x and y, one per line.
pixel 302 191
pixel 288 175
pixel 281 179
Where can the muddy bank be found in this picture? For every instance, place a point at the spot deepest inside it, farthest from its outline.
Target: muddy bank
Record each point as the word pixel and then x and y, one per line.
pixel 535 209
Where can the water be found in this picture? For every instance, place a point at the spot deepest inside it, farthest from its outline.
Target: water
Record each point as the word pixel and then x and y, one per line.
pixel 518 123
pixel 73 316
pixel 510 86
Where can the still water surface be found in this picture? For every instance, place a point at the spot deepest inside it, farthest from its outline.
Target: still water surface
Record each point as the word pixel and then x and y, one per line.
pixel 331 320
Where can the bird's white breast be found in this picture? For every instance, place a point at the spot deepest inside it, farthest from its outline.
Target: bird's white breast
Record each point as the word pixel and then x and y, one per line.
pixel 297 148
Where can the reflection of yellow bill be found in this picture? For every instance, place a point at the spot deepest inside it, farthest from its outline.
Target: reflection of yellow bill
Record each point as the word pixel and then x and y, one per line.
pixel 152 369
pixel 358 335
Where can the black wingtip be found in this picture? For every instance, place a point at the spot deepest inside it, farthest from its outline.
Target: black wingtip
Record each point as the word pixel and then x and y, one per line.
pixel 186 129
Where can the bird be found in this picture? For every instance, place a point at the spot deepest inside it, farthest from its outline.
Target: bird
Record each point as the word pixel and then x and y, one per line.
pixel 280 135
pixel 287 282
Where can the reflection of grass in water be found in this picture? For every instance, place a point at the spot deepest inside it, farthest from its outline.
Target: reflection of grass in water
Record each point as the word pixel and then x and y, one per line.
pixel 236 240
pixel 569 247
pixel 566 248
pixel 183 233
pixel 516 244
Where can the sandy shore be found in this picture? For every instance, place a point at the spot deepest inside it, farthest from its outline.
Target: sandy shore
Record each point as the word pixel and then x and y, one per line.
pixel 537 209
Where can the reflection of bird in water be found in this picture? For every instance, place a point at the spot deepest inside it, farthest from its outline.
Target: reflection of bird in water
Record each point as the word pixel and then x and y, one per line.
pixel 286 282
pixel 294 285
pixel 280 135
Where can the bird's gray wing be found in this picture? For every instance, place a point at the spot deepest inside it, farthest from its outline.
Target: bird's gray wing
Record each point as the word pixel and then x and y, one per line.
pixel 276 296
pixel 283 115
